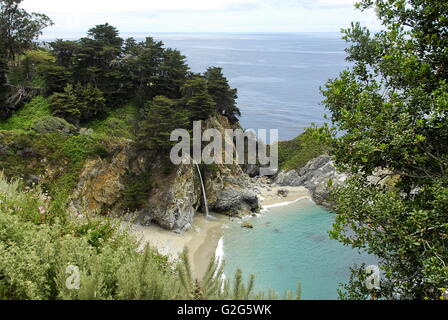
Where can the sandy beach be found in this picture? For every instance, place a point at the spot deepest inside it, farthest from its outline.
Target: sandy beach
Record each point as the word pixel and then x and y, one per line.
pixel 202 241
pixel 269 195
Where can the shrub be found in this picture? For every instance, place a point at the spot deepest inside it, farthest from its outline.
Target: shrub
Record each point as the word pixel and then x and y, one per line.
pixel 120 123
pixel 78 104
pixel 25 117
pixel 50 124
pixel 296 153
pixel 39 241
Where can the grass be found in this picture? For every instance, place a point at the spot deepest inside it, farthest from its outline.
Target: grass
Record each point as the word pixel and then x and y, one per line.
pixel 120 123
pixel 25 117
pixel 295 154
pixel 64 155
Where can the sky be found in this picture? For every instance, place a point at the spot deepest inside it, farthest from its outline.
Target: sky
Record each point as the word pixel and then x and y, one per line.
pixel 243 16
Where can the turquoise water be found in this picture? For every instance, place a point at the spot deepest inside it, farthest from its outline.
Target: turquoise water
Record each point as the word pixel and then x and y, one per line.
pixel 288 245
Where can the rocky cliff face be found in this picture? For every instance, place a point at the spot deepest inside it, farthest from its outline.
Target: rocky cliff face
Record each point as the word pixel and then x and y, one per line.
pixel 228 187
pixel 101 182
pixel 174 201
pixel 174 197
pixel 318 176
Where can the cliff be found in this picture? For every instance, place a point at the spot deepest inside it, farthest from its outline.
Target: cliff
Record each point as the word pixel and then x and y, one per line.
pixel 173 194
pixel 319 176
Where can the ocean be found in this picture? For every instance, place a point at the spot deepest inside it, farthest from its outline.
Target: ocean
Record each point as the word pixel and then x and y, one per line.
pixel 278 76
pixel 288 246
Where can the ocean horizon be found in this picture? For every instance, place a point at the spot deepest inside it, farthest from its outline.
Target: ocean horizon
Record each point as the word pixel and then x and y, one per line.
pixel 278 75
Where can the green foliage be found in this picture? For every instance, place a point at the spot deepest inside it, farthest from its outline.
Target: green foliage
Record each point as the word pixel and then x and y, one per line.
pixel 198 101
pixel 142 68
pixel 50 124
pixel 54 158
pixel 137 189
pixel 39 241
pixel 296 153
pixel 24 71
pixel 173 74
pixel 29 114
pixel 78 104
pixel 120 123
pixel 106 35
pixel 63 51
pixel 390 112
pixel 56 77
pixel 65 105
pixel 161 117
pixel 18 28
pixel 71 152
pixel 3 88
pixel 224 96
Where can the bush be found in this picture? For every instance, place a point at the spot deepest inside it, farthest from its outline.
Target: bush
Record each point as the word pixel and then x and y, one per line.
pixel 50 124
pixel 78 104
pixel 25 117
pixel 39 241
pixel 296 153
pixel 23 73
pixel 120 123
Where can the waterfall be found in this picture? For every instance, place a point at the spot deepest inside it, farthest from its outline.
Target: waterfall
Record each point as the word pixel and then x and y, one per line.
pixel 207 213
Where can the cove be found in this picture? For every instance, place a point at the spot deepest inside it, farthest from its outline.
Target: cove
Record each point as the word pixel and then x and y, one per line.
pixel 290 244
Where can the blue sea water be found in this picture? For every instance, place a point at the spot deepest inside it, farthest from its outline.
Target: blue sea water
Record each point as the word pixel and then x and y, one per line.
pixel 291 245
pixel 278 76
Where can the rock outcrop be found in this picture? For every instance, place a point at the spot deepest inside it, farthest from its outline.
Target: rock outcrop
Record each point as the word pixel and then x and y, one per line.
pixel 318 176
pixel 229 188
pixel 175 194
pixel 173 203
pixel 101 182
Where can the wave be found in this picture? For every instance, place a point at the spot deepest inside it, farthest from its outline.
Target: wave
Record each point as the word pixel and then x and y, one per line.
pixel 219 253
pixel 282 204
pixel 219 256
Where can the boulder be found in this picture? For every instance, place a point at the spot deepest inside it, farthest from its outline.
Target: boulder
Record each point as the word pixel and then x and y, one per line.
pixel 247 225
pixel 318 176
pixel 283 193
pixel 233 201
pixel 173 203
pixel 101 184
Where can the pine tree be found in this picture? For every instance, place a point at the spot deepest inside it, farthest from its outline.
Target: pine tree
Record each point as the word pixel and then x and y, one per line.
pixel 197 99
pixel 3 89
pixel 173 74
pixel 224 96
pixel 65 105
pixel 162 116
pixel 78 104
